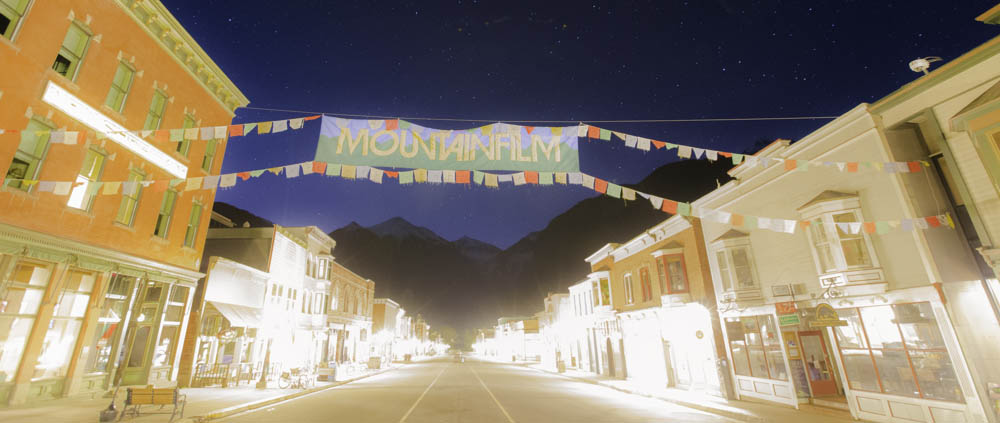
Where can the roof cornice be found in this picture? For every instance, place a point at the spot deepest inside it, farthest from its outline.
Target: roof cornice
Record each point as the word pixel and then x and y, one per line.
pixel 161 25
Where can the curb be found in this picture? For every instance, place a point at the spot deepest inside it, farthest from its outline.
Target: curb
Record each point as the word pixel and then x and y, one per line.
pixel 743 417
pixel 240 408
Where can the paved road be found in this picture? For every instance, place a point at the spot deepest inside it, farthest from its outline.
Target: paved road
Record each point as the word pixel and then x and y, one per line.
pixel 445 391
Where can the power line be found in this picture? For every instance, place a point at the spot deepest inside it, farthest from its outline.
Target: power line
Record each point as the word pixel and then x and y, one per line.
pixel 739 119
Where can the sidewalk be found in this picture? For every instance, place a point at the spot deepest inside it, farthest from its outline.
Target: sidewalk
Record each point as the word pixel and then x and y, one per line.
pixel 744 411
pixel 202 403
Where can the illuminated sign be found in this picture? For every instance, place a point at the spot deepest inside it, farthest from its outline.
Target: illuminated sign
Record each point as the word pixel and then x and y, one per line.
pixel 77 109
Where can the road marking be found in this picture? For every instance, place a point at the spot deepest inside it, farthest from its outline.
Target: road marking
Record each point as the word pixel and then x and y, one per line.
pixel 509 419
pixel 422 394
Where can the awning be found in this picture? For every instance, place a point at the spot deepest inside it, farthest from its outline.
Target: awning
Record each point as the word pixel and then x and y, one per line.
pixel 239 316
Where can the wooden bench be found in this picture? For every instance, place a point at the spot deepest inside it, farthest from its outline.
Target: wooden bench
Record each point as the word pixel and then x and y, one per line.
pixel 138 397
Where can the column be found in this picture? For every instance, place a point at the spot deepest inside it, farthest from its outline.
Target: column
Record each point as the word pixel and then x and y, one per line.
pixel 74 372
pixel 33 346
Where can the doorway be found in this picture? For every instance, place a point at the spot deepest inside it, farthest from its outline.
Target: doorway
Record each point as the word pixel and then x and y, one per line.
pixel 817 363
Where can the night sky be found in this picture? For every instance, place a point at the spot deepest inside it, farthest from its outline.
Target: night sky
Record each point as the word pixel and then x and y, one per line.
pixel 548 60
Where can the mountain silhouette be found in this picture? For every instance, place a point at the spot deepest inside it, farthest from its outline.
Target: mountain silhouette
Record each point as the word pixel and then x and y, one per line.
pixel 468 283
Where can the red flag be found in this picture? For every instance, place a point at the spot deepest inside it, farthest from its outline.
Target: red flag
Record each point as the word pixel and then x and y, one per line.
pixel 933 221
pixel 463 176
pixel 600 185
pixel 391 124
pixel 669 206
pixel 594 132
pixel 914 166
pixel 244 175
pixel 319 167
pixel 532 177
pixel 658 144
pixel 235 130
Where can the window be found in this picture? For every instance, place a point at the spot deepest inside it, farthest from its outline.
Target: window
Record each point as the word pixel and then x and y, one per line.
pixel 29 155
pixel 120 87
pixel 156 108
pixel 166 212
pixel 74 46
pixel 64 328
pixel 605 292
pixel 191 233
pixel 838 242
pixel 82 196
pixel 166 347
pixel 629 296
pixel 736 268
pixel 18 307
pixel 647 286
pixel 130 197
pixel 673 274
pixel 756 349
pixel 108 324
pixel 11 13
pixel 897 349
pixel 185 144
pixel 206 162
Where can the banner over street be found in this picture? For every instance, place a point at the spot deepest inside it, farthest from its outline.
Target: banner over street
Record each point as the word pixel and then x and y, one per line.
pixel 398 143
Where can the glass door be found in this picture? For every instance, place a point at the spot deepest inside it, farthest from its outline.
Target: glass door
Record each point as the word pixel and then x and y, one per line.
pixel 817 361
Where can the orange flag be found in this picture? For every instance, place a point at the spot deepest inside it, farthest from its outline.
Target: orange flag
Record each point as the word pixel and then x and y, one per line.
pixel 531 177
pixel 319 167
pixel 462 176
pixel 852 167
pixel 914 166
pixel 658 144
pixel 870 227
pixel 312 117
pixel 529 128
pixel 162 135
pixel 593 132
pixel 790 164
pixel 737 220
pixel 235 130
pixel 391 124
pixel 933 221
pixel 670 206
pixel 244 175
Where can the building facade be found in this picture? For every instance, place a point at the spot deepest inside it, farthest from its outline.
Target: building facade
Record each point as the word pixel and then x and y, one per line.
pixel 840 313
pixel 667 318
pixel 96 282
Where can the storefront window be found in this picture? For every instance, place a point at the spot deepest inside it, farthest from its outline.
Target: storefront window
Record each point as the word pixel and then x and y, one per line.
pixel 108 324
pixel 756 348
pixel 64 328
pixel 138 350
pixel 899 350
pixel 17 310
pixel 166 346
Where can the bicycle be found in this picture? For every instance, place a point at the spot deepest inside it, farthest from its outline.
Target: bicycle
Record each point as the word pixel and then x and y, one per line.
pixel 297 378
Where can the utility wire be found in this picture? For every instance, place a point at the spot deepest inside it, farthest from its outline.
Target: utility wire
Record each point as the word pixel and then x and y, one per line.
pixel 551 121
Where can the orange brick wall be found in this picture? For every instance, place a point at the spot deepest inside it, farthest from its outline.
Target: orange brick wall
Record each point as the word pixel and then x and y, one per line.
pixel 26 62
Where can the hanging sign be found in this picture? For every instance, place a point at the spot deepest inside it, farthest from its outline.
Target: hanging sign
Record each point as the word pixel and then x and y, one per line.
pixel 826 316
pixel 786 307
pixel 789 320
pixel 397 143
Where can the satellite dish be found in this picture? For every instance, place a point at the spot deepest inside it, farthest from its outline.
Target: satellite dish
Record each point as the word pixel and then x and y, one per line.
pixel 922 64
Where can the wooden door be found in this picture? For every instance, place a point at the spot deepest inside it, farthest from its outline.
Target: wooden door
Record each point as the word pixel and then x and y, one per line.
pixel 818 366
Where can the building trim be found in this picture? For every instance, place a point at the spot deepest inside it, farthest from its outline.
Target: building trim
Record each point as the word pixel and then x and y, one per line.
pixel 161 26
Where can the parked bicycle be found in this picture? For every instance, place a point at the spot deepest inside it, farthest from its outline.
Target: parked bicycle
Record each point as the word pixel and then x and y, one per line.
pixel 297 378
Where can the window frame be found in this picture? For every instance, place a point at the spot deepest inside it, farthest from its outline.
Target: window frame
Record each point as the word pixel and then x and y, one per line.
pixel 822 215
pixel 763 347
pixel 184 145
pixel 126 197
pixel 903 347
pixel 123 91
pixel 16 23
pixel 40 160
pixel 170 215
pixel 663 258
pixel 645 284
pixel 725 248
pixel 629 289
pixel 79 60
pixel 159 116
pixel 88 200
pixel 191 239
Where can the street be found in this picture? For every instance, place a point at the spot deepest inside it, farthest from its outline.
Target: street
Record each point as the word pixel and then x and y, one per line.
pixel 474 391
